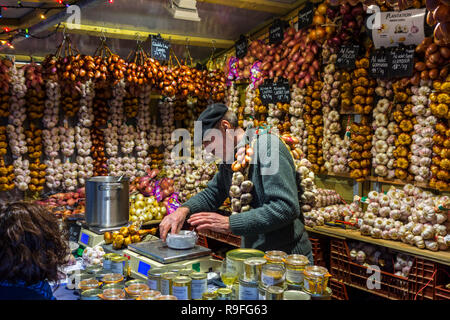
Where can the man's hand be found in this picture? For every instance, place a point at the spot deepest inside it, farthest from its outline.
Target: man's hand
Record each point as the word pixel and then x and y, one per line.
pixel 210 221
pixel 173 222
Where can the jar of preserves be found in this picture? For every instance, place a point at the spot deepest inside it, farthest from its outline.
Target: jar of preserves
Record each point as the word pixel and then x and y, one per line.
pixel 134 290
pixel 295 265
pixel 186 272
pixel 224 294
pixel 166 282
pixel 181 287
pixel 237 256
pixel 248 290
pixel 120 286
pixel 275 257
pixel 113 294
pixel 166 297
pixel 107 264
pixel 134 281
pixel 112 278
pixel 92 294
pixel 274 293
pixel 273 275
pixel 93 269
pixel 199 285
pixel 315 279
pixel 261 292
pixel 89 284
pixel 119 265
pixel 209 295
pixel 154 278
pixel 296 295
pixel 253 268
pixel 149 295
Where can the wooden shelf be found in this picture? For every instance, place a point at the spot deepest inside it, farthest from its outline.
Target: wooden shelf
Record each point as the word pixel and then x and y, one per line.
pixel 442 257
pixel 225 238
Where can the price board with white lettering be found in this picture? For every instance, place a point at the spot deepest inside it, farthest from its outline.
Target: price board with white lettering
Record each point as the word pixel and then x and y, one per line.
pixel 276 32
pixel 266 92
pixel 346 56
pixel 241 47
pixel 282 91
pixel 402 62
pixel 379 64
pixel 160 48
pixel 305 16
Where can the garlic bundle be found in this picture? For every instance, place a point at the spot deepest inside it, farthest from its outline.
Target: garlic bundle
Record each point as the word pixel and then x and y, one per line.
pixel 83 141
pixel 129 167
pixel 126 138
pixel 343 212
pixel 115 166
pixel 116 115
pixel 6 172
pixel 143 115
pixel 306 177
pixel 155 135
pixel 166 111
pixel 22 173
pixel 422 138
pixel 380 146
pixel 54 173
pixel 249 109
pixel 70 176
pixel 297 128
pixel 85 113
pixel 403 264
pixel 67 140
pixel 17 113
pixel 85 168
pixel 111 140
pixel 143 126
pixel 232 98
pixel 51 110
pixel 51 139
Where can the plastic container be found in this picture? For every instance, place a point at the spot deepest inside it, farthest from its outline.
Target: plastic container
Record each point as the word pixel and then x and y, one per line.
pixel 316 280
pixel 134 281
pixel 185 239
pixel 295 265
pixel 120 286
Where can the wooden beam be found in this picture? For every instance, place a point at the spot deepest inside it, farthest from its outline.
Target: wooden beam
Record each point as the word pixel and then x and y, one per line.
pixel 256 5
pixel 121 32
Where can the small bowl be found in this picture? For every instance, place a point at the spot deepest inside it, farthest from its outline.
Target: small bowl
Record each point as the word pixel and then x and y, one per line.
pixel 185 239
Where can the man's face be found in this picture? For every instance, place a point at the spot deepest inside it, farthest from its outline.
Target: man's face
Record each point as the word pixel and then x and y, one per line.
pixel 220 142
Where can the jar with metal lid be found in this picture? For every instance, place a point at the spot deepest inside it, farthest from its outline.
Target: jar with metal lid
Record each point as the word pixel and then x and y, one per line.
pixel 181 287
pixel 134 281
pixel 119 265
pixel 209 295
pixel 253 268
pixel 112 278
pixel 275 256
pixel 92 294
pixel 237 256
pixel 273 275
pixel 154 278
pixel 89 284
pixel 248 290
pixel 107 264
pixel 149 295
pixel 296 295
pixel 113 294
pixel 224 294
pixel 120 286
pixel 166 297
pixel 315 280
pixel 295 265
pixel 99 275
pixel 199 285
pixel 134 290
pixel 274 293
pixel 166 282
pixel 186 272
pixel 93 269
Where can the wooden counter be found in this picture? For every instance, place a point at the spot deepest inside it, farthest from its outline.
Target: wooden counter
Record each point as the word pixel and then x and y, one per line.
pixel 442 257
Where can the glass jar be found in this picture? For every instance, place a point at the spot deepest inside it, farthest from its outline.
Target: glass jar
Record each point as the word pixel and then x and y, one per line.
pixel 134 290
pixel 248 290
pixel 315 279
pixel 275 257
pixel 166 282
pixel 224 294
pixel 119 265
pixel 134 281
pixel 166 297
pixel 89 284
pixel 107 263
pixel 261 292
pixel 199 285
pixel 295 265
pixel 149 295
pixel 186 272
pixel 154 278
pixel 273 275
pixel 113 294
pixel 120 286
pixel 112 278
pixel 296 295
pixel 93 269
pixel 253 268
pixel 92 294
pixel 181 287
pixel 209 295
pixel 274 293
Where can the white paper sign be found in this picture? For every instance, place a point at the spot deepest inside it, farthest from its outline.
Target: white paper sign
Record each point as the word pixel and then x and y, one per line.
pixel 406 27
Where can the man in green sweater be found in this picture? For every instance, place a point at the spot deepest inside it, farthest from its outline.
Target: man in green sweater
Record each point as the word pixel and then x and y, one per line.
pixel 275 220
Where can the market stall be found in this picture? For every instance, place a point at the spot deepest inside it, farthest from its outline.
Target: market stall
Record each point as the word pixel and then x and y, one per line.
pixel 359 93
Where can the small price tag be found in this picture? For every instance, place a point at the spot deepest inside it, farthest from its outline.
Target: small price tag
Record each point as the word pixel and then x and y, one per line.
pixel 282 91
pixel 346 56
pixel 379 66
pixel 402 62
pixel 160 48
pixel 266 92
pixel 305 16
pixel 241 47
pixel 276 32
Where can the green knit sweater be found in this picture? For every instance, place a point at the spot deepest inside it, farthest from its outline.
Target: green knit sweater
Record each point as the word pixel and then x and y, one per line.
pixel 275 222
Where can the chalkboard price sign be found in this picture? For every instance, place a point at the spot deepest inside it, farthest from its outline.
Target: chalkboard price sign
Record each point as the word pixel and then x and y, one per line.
pixel 282 91
pixel 305 16
pixel 160 48
pixel 266 92
pixel 276 32
pixel 402 62
pixel 379 65
pixel 346 56
pixel 241 47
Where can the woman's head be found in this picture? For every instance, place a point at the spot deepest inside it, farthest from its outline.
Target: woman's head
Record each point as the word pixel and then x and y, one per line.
pixel 32 247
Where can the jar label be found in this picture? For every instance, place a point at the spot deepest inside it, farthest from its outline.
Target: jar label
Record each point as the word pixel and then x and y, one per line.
pixel 248 293
pixel 197 288
pixel 271 281
pixel 165 287
pixel 180 292
pixel 293 276
pixel 153 284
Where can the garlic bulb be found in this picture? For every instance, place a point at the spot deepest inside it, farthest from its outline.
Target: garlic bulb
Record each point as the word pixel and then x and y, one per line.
pixel 298 128
pixel 70 176
pixel 116 112
pixel 85 113
pixel 155 135
pixel 166 110
pixel 249 109
pixel 67 140
pixel 51 110
pixel 232 98
pixel 54 173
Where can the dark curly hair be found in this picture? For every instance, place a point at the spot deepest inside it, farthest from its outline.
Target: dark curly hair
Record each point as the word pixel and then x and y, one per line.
pixel 32 246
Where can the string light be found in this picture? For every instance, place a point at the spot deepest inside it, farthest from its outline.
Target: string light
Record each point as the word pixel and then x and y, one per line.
pixel 110 1
pixel 6 29
pixel 10 45
pixel 26 33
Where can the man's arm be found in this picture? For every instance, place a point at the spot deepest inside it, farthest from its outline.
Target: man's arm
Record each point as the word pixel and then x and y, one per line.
pixel 211 198
pixel 281 205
